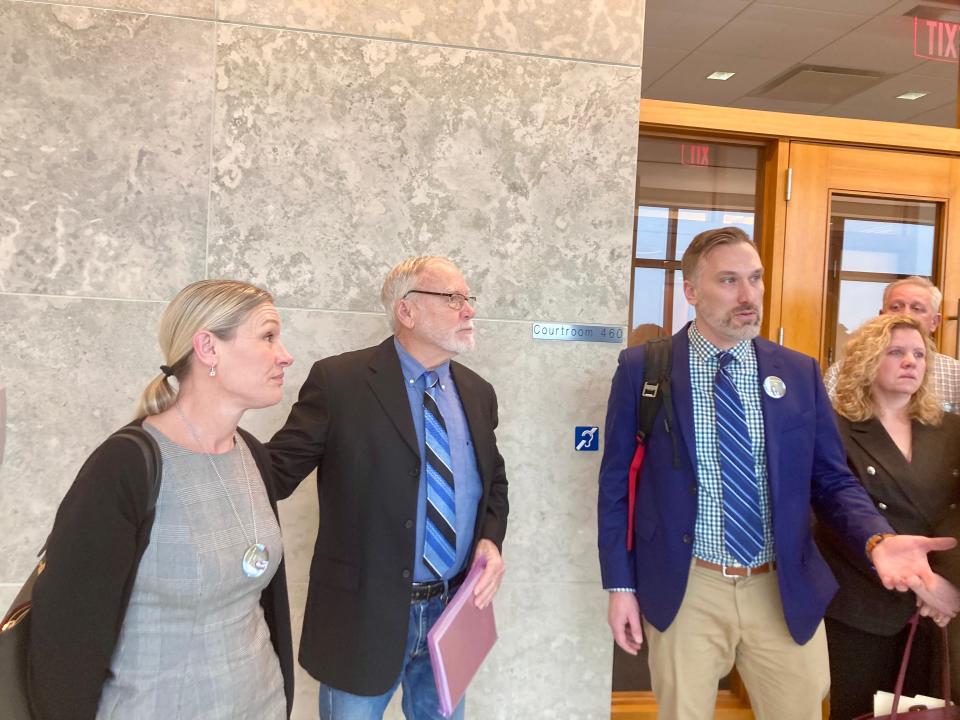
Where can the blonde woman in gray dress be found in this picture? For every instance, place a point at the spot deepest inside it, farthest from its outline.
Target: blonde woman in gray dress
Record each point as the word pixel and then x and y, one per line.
pixel 177 611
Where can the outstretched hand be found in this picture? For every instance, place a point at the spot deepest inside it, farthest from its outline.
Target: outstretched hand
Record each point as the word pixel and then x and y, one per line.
pixel 901 563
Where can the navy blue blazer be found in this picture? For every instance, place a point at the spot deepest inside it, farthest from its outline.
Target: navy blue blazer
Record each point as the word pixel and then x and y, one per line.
pixel 806 466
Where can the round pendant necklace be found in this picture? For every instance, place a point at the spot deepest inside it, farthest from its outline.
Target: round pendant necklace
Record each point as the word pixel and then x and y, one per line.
pixel 256 558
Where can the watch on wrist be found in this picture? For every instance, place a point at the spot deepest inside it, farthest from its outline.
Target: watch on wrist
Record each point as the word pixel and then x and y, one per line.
pixel 875 540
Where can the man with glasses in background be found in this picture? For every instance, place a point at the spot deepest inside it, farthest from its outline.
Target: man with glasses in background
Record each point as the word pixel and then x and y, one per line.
pixel 412 490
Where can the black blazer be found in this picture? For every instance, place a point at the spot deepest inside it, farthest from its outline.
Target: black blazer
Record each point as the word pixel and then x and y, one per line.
pixel 353 423
pixel 79 601
pixel 918 498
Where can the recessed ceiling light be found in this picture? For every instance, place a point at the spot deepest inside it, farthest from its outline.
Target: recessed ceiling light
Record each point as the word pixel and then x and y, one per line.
pixel 912 95
pixel 720 75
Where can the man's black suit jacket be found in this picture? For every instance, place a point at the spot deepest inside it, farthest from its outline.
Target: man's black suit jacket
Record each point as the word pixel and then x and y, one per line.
pixel 353 423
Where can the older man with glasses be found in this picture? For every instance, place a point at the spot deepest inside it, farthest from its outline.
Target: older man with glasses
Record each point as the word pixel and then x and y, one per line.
pixel 412 490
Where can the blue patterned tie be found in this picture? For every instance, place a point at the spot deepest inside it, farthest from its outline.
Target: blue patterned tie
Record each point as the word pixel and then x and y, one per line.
pixel 440 538
pixel 742 524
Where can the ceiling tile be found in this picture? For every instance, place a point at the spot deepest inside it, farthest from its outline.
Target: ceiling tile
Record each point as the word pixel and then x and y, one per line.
pixel 884 44
pixel 657 61
pixel 686 24
pixel 880 102
pixel 687 82
pixel 936 68
pixel 867 8
pixel 768 32
pixel 944 116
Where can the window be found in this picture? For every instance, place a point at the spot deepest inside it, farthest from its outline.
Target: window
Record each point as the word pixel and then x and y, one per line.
pixel 873 241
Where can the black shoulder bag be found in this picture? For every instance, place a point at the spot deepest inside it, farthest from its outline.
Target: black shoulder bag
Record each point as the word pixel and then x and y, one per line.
pixel 15 627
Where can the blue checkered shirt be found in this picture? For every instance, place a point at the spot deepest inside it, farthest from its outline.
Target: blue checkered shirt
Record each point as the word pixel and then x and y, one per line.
pixel 708 543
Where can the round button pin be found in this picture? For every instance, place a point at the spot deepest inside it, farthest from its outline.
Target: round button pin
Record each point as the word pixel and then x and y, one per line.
pixel 774 387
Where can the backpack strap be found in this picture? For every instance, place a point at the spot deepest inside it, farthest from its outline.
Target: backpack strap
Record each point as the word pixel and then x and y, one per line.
pixel 654 394
pixel 656 382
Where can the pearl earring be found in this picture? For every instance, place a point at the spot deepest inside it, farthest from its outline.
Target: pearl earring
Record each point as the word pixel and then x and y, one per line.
pixel 213 371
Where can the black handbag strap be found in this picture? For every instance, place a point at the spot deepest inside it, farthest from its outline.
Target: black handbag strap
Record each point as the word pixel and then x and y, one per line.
pixel 151 456
pixel 656 391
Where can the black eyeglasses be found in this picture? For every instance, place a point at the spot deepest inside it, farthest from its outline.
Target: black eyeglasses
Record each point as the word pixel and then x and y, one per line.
pixel 455 301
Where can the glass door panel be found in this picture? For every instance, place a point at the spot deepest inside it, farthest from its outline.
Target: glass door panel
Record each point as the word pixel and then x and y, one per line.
pixel 873 241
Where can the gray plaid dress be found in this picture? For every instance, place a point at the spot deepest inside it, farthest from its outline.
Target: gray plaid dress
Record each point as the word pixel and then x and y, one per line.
pixel 194 643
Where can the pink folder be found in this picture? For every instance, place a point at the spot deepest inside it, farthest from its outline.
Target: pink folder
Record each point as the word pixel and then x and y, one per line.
pixel 459 641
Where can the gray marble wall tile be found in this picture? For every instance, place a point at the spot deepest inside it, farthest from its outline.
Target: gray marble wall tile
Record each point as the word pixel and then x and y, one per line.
pixel 553 657
pixel 183 8
pixel 74 370
pixel 104 150
pixel 336 157
pixel 7 595
pixel 545 389
pixel 579 29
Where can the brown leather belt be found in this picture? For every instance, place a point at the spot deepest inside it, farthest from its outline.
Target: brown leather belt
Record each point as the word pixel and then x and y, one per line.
pixel 728 571
pixel 421 591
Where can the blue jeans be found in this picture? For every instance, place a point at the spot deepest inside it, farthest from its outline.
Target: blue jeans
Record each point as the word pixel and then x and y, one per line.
pixel 420 701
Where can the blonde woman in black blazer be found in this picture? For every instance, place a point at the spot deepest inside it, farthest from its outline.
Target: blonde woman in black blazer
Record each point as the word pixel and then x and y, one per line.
pixel 906 452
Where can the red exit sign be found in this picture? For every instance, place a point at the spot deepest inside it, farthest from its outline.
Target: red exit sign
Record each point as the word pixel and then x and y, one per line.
pixel 694 154
pixel 936 40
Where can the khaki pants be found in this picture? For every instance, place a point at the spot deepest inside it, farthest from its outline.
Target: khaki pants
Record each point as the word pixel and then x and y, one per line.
pixel 725 622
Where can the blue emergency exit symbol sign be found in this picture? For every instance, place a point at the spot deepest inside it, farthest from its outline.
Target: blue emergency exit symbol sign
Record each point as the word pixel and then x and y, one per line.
pixel 586 438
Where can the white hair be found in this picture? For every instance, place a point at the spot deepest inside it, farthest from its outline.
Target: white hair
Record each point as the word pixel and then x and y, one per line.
pixel 936 297
pixel 402 279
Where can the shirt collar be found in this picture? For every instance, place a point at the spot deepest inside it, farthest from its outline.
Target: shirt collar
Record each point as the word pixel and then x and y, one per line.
pixel 708 352
pixel 412 369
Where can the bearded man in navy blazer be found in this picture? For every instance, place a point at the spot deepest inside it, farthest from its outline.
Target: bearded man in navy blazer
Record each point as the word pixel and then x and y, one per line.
pixel 723 568
pixel 412 490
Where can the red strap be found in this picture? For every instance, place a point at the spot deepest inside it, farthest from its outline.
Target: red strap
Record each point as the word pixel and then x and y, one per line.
pixel 632 481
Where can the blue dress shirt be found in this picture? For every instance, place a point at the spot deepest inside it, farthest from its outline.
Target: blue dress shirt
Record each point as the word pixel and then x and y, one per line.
pixel 468 487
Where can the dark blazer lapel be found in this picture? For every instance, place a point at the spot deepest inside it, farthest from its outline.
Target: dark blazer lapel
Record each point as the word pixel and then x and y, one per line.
pixel 874 442
pixel 775 410
pixel 893 469
pixel 477 420
pixel 386 381
pixel 924 483
pixel 682 391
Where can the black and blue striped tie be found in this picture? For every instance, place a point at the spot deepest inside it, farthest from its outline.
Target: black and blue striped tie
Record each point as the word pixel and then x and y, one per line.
pixel 742 524
pixel 440 538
